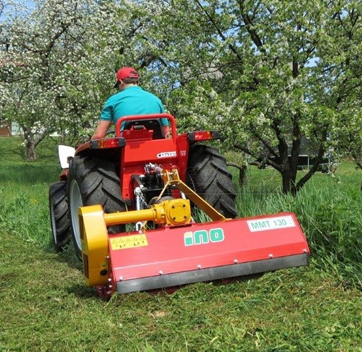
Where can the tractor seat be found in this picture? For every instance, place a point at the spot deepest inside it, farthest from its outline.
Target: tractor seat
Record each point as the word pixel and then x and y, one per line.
pixel 153 125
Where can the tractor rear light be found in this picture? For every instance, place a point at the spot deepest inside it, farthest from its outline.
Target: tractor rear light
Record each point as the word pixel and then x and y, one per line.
pixel 203 135
pixel 107 143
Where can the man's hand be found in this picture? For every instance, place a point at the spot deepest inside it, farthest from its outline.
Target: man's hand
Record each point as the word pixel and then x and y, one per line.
pixel 166 132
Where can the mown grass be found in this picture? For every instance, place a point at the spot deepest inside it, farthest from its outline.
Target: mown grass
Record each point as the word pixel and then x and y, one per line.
pixel 45 305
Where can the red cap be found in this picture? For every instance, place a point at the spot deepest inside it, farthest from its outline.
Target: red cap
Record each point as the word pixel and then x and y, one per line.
pixel 127 72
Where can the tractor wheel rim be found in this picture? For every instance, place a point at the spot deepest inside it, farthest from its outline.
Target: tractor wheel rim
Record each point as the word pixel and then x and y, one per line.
pixel 75 202
pixel 53 222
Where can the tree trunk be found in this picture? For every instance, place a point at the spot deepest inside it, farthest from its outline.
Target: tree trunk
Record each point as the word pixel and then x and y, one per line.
pixel 62 138
pixel 242 172
pixel 288 182
pixel 31 142
pixel 30 150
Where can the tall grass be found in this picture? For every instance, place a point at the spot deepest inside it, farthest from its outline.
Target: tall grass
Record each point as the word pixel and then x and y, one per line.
pixel 332 220
pixel 24 211
pixel 24 190
pixel 329 211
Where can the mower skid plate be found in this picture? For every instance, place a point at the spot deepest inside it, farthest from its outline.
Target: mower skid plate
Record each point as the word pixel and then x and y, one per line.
pixel 173 256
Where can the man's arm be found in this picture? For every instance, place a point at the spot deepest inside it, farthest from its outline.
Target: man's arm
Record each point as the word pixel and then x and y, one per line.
pixel 101 129
pixel 165 131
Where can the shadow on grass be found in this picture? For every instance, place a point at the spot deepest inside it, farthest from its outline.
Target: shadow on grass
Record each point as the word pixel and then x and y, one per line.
pixel 82 291
pixel 68 257
pixel 231 280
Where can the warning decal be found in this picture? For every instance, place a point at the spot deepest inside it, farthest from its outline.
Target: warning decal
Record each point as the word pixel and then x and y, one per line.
pixel 128 242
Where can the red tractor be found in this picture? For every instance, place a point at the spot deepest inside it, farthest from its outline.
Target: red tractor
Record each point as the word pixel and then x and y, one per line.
pixel 127 203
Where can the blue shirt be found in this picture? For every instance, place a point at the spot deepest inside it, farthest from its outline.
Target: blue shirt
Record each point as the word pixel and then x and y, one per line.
pixel 132 100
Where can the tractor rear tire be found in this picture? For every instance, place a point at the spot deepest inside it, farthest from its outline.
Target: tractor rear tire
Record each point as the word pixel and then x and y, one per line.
pixel 208 175
pixel 92 181
pixel 59 219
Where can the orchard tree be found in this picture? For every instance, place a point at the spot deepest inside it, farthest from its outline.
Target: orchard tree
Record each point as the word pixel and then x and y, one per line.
pixel 58 65
pixel 59 61
pixel 42 42
pixel 268 73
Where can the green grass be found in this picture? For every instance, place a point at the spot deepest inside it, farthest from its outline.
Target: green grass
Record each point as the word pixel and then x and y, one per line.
pixel 24 190
pixel 46 306
pixel 13 150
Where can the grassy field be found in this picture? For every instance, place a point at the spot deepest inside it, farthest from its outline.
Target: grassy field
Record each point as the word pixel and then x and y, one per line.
pixel 45 305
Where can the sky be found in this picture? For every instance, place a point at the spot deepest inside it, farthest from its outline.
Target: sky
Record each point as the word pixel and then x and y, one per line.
pixel 26 4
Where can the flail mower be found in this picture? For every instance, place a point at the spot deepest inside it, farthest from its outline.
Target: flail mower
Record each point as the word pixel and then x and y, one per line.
pixel 127 202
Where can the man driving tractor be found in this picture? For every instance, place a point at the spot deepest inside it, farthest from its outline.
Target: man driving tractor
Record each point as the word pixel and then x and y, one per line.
pixel 130 99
